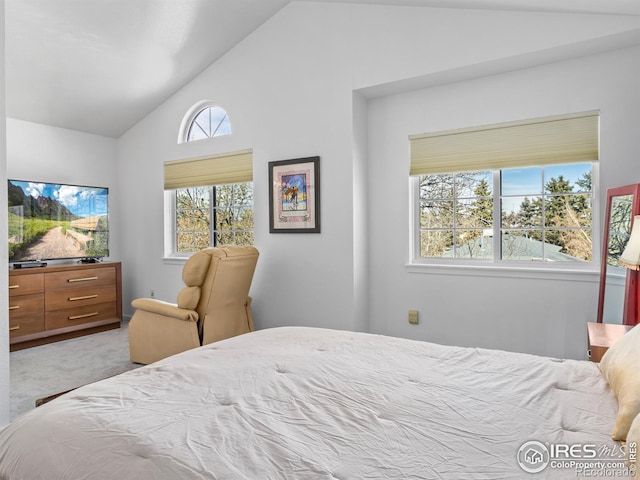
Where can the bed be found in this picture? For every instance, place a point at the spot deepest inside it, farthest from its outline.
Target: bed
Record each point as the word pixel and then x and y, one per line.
pixel 309 403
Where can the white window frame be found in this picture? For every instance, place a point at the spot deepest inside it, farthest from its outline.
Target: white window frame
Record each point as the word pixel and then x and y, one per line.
pixel 170 254
pixel 189 118
pixel 170 233
pixel 170 246
pixel 503 268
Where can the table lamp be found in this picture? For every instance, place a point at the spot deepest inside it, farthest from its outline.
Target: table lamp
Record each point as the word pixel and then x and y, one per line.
pixel 630 259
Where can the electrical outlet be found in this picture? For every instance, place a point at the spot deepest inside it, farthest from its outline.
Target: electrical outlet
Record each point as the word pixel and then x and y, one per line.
pixel 413 316
pixel 153 293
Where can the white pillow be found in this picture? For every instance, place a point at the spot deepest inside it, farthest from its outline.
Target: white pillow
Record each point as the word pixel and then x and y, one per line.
pixel 620 366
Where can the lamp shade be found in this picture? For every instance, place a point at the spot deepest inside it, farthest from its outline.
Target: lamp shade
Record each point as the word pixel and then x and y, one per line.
pixel 630 258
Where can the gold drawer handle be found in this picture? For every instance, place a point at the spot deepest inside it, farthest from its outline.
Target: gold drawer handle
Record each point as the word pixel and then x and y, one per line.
pixel 86 297
pixel 17 327
pixel 13 286
pixel 14 307
pixel 84 279
pixel 86 315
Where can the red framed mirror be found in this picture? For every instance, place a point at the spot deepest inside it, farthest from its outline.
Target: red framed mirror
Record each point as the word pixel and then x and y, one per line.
pixel 618 297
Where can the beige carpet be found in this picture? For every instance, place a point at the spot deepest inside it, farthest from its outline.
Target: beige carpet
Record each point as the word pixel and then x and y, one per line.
pixel 42 371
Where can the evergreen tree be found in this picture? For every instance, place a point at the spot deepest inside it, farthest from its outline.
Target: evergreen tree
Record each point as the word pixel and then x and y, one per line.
pixel 556 208
pixel 530 214
pixel 567 216
pixel 482 208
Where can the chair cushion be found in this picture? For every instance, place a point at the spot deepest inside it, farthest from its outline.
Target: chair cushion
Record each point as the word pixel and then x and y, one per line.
pixel 189 297
pixel 195 269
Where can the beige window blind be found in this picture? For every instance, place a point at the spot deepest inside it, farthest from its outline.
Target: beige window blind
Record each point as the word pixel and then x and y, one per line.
pixel 541 141
pixel 233 167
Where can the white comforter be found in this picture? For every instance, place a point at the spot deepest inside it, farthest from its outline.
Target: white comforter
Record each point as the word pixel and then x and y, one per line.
pixel 301 403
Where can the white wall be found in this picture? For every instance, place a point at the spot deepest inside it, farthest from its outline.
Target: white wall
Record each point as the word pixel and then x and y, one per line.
pixel 4 302
pixel 285 101
pixel 545 316
pixel 289 89
pixel 361 215
pixel 50 154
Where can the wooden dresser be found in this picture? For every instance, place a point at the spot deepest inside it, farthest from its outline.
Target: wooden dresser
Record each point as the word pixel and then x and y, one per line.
pixel 59 302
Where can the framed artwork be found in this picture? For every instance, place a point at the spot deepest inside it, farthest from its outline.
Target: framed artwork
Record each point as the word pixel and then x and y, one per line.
pixel 294 196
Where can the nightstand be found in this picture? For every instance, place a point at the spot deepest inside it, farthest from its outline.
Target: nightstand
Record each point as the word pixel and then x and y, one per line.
pixel 601 336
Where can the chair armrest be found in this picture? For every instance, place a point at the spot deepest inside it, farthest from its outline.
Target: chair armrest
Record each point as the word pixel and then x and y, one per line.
pixel 166 309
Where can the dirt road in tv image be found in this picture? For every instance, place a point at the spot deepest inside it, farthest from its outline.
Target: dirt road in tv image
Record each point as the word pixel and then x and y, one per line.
pixel 54 244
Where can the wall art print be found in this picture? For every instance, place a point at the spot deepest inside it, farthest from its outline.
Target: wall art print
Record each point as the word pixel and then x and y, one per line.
pixel 294 193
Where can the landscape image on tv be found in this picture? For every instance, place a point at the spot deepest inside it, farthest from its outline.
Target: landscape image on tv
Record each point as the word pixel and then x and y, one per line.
pixel 52 221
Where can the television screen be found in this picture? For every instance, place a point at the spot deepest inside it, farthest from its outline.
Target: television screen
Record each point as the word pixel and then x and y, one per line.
pixel 49 221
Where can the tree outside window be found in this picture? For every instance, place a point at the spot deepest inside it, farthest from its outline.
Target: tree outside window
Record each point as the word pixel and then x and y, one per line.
pixel 214 216
pixel 545 213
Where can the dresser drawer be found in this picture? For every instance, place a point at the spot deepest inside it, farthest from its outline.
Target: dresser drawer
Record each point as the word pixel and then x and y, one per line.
pixel 86 277
pixel 62 301
pixel 26 284
pixel 26 325
pixel 26 305
pixel 78 297
pixel 26 314
pixel 79 315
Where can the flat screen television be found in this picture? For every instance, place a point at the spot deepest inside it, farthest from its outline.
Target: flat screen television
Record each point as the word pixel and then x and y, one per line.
pixel 51 221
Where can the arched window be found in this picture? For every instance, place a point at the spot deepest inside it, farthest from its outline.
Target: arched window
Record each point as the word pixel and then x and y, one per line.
pixel 210 198
pixel 204 120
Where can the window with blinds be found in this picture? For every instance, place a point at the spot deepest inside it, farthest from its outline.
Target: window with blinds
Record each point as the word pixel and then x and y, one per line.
pixel 235 167
pixel 510 192
pixel 212 201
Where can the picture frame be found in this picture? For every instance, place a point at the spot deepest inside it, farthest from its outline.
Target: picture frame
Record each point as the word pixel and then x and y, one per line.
pixel 294 195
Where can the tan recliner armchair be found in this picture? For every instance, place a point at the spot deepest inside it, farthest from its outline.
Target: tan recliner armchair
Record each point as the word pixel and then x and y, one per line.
pixel 214 305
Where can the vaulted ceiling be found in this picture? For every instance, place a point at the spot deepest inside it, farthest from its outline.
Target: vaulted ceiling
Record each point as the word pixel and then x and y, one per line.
pixel 99 66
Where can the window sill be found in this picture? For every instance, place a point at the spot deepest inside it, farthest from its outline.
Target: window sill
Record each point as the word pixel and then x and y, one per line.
pixel 516 271
pixel 174 260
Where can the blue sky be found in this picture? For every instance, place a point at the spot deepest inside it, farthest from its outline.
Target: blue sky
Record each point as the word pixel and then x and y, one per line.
pixel 82 201
pixel 529 182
